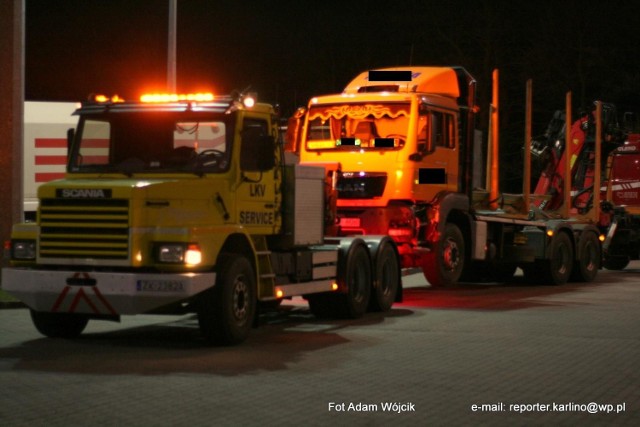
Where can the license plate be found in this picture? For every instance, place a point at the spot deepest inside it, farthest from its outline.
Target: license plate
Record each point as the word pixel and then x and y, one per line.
pixel 349 222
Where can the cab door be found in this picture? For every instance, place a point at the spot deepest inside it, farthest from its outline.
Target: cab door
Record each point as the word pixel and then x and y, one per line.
pixel 257 190
pixel 438 169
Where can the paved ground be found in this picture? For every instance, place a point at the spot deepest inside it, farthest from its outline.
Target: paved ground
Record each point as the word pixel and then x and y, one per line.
pixel 479 355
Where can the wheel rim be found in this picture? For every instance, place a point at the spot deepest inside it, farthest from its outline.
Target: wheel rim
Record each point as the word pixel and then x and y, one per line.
pixel 388 277
pixel 359 282
pixel 240 297
pixel 563 260
pixel 591 263
pixel 450 255
pixel 386 280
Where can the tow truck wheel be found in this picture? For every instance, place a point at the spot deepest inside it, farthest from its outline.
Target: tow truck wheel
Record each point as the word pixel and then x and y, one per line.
pixel 444 265
pixel 557 269
pixel 355 273
pixel 323 305
pixel 586 267
pixel 226 311
pixel 387 278
pixel 59 325
pixel 357 279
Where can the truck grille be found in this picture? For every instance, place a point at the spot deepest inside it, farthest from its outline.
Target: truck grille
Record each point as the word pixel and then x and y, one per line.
pixel 361 185
pixel 84 228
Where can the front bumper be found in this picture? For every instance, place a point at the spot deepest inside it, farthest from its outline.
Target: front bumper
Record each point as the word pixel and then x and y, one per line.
pixel 101 293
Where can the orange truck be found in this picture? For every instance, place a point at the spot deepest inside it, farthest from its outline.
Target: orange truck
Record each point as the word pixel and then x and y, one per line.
pixel 397 146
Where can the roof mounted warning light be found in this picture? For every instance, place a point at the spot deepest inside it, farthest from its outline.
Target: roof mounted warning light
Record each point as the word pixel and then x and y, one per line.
pixel 175 97
pixel 104 98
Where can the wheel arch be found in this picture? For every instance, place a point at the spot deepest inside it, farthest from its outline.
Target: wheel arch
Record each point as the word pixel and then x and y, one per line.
pixel 240 244
pixel 463 222
pixel 445 207
pixel 453 207
pixel 345 245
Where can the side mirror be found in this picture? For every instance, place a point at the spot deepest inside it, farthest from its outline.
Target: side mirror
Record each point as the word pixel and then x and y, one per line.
pixel 416 157
pixel 71 133
pixel 294 131
pixel 257 153
pixel 424 148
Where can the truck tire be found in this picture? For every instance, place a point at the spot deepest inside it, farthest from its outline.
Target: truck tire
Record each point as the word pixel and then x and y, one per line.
pixel 556 270
pixel 386 277
pixel 585 268
pixel 59 325
pixel 226 311
pixel 443 266
pixel 324 305
pixel 355 276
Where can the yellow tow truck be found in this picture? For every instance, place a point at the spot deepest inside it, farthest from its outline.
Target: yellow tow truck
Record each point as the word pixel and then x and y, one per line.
pixel 186 203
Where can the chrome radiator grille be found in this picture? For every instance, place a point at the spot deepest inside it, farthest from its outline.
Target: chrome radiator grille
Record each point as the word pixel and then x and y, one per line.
pixel 84 228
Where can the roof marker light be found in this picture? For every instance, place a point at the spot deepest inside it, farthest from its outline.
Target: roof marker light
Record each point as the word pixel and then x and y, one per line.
pixel 104 98
pixel 175 97
pixel 249 101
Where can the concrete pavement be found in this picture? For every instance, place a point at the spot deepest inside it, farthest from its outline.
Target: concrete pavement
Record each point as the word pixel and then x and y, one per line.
pixel 478 355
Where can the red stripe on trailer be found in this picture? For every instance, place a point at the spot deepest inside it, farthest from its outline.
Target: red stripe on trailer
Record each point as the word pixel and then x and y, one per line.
pixel 48 176
pixel 95 143
pixel 51 160
pixel 95 160
pixel 62 143
pixel 51 143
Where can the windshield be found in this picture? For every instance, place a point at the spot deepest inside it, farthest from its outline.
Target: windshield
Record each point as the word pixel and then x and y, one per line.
pixel 159 142
pixel 362 126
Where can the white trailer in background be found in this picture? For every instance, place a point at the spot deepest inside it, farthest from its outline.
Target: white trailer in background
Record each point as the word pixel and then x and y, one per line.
pixel 45 147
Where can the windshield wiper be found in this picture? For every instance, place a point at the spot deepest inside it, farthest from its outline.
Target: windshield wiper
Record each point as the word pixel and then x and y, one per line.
pixel 130 166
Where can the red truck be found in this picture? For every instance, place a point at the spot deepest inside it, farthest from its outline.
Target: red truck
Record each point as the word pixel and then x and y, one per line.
pixel 618 212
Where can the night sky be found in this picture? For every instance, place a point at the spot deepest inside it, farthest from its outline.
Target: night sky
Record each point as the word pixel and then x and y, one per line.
pixel 289 51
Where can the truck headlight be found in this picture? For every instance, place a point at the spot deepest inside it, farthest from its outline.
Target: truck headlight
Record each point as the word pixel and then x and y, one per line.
pixel 179 253
pixel 23 249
